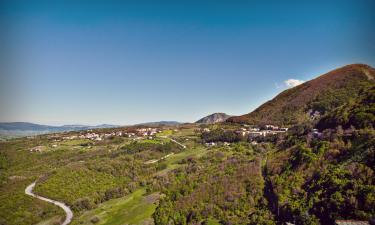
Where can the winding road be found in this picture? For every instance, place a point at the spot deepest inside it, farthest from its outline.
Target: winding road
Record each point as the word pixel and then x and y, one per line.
pixel 68 211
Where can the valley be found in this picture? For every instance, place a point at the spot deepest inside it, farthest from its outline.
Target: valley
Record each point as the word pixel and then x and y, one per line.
pixel 298 167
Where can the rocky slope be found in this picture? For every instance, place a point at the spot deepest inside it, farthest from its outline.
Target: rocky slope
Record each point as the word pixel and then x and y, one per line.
pixel 214 118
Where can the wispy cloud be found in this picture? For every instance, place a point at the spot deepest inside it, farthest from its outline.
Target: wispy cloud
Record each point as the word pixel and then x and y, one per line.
pixel 292 82
pixel 288 83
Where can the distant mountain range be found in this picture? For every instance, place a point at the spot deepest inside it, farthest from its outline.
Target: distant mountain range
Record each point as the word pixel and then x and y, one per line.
pixel 214 118
pixel 29 129
pixel 159 123
pixel 25 129
pixel 314 98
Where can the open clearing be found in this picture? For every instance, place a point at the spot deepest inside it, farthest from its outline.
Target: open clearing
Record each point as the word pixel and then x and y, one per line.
pixel 131 209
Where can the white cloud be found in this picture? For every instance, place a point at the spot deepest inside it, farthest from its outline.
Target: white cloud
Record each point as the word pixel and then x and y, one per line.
pixel 292 82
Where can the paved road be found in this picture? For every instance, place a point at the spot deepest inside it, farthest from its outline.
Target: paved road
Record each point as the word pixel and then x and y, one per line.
pixel 68 211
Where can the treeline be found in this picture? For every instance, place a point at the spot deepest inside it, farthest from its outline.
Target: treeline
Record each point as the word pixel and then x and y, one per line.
pixel 221 135
pixel 136 147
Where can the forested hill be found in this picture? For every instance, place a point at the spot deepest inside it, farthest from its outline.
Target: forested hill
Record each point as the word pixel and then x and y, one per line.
pixel 312 99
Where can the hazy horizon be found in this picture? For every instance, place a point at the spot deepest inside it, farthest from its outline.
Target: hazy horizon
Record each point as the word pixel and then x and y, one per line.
pixel 125 63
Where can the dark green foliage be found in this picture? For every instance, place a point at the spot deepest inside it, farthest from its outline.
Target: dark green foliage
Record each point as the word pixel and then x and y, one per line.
pixel 220 135
pixel 302 155
pixel 95 219
pixel 116 192
pixel 161 166
pixel 359 114
pixel 83 204
pixel 320 181
pixel 300 129
pixel 335 194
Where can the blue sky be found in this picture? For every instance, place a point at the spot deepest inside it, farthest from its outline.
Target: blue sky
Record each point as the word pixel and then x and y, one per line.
pixel 125 62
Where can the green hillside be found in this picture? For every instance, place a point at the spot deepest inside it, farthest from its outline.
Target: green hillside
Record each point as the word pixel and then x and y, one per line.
pixel 317 96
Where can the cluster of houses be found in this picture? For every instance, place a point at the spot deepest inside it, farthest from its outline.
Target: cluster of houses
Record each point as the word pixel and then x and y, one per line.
pixel 251 132
pixel 137 133
pixel 37 149
pixel 255 131
pixel 265 131
pixel 147 131
pixel 98 137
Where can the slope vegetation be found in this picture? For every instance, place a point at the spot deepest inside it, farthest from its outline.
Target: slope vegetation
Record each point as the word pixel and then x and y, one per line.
pixel 316 97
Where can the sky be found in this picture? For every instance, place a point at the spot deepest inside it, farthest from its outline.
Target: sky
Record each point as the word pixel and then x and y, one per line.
pixel 126 62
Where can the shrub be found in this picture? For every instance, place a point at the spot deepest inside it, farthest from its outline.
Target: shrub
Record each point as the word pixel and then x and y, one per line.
pixel 95 219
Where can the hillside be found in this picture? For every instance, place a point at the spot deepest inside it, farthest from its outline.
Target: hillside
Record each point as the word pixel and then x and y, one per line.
pixel 224 175
pixel 355 114
pixel 214 118
pixel 312 99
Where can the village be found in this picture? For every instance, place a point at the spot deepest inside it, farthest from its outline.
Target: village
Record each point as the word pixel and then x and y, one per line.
pixel 246 133
pixel 100 135
pixel 261 131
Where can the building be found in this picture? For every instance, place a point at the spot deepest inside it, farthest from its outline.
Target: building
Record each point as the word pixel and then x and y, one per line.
pixel 37 149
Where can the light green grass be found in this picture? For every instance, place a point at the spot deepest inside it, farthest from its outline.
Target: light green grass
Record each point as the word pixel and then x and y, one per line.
pixel 198 152
pixel 153 141
pixel 131 209
pixel 75 142
pixel 165 133
pixel 211 221
pixel 185 133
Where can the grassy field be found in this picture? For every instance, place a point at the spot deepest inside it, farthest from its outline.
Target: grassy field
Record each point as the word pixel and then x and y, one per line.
pixel 155 141
pixel 135 208
pixel 165 133
pixel 196 152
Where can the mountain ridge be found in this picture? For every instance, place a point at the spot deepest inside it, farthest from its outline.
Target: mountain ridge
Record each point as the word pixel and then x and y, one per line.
pixel 159 123
pixel 321 94
pixel 214 118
